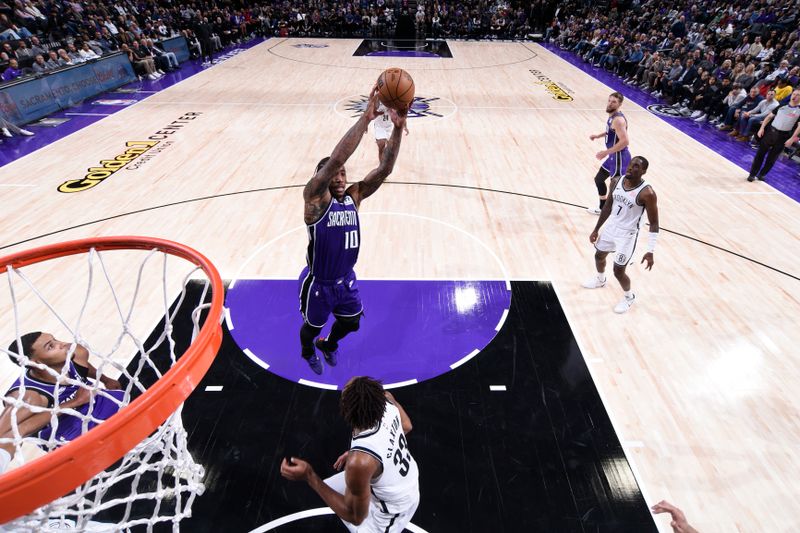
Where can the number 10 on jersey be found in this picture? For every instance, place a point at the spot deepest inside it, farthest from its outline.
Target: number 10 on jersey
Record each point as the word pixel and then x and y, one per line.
pixel 351 239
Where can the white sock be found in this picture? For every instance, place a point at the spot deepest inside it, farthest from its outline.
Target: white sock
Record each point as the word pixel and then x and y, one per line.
pixel 601 276
pixel 5 458
pixel 629 295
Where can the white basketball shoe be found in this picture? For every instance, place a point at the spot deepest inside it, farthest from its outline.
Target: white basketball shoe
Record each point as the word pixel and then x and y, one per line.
pixel 624 304
pixel 594 283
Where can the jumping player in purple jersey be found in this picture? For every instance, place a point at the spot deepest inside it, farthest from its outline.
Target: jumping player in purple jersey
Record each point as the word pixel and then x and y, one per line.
pixel 617 157
pixel 328 283
pixel 42 390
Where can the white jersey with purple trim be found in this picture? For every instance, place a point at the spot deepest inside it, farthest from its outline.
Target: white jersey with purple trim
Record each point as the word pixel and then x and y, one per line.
pixel 397 486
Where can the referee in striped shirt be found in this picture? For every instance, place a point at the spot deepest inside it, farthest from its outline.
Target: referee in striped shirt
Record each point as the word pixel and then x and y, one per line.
pixel 779 129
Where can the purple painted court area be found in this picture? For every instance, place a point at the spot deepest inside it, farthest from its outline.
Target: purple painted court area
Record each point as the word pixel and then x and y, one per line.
pixel 411 330
pixel 401 53
pixel 784 176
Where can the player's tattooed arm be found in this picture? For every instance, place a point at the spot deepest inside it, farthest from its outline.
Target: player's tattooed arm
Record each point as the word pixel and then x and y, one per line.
pixel 316 193
pixel 318 185
pixel 376 177
pixel 315 208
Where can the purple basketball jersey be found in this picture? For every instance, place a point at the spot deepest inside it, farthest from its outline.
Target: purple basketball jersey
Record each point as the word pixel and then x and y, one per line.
pixel 333 241
pixel 69 427
pixel 611 135
pixel 616 163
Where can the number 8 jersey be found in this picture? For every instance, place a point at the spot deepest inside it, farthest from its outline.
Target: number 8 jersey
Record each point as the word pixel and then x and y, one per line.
pixel 333 241
pixel 397 485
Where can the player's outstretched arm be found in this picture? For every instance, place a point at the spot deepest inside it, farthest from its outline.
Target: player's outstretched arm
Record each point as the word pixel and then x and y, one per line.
pixel 353 505
pixel 27 421
pixel 317 187
pixel 678 523
pixel 650 201
pixel 405 420
pixel 373 180
pixel 33 422
pixel 81 358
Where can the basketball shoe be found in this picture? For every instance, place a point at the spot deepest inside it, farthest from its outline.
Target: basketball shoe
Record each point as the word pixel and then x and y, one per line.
pixel 327 348
pixel 624 304
pixel 594 283
pixel 314 363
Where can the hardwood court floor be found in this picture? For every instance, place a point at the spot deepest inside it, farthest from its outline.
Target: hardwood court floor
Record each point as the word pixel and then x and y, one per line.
pixel 700 378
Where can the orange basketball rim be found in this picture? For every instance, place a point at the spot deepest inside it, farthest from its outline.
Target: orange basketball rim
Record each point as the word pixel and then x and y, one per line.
pixel 60 471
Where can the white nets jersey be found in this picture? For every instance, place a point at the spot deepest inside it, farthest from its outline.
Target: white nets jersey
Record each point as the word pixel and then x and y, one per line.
pixel 626 212
pixel 397 486
pixel 383 124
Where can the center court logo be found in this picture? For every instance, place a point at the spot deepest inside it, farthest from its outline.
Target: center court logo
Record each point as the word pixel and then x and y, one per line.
pixel 432 107
pixel 664 111
pixel 558 92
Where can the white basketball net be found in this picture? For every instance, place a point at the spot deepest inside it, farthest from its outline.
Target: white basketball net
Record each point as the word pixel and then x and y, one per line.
pixel 157 481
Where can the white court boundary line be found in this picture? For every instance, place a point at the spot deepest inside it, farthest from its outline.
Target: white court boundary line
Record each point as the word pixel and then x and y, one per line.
pixel 400 384
pixel 129 107
pixel 317 384
pixel 464 359
pixel 627 444
pixel 749 193
pixel 248 104
pixel 90 114
pixel 386 278
pixel 328 386
pixel 455 107
pixel 310 513
pixel 501 321
pixel 503 269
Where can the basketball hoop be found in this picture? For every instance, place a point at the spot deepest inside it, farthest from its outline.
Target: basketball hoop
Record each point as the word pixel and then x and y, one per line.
pixel 76 474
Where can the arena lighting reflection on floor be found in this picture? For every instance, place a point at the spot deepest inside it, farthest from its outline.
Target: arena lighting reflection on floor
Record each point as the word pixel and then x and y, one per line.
pixel 411 330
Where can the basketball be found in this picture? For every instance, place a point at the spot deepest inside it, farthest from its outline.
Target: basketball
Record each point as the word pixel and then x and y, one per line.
pixel 395 88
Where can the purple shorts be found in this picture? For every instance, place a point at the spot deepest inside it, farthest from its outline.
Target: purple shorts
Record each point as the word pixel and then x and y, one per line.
pixel 320 298
pixel 617 163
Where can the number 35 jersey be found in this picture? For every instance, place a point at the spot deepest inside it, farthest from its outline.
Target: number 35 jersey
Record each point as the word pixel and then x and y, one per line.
pixel 333 241
pixel 398 484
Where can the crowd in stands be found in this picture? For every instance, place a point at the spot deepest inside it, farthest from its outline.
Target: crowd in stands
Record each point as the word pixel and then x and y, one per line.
pixel 43 35
pixel 726 62
pixel 729 63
